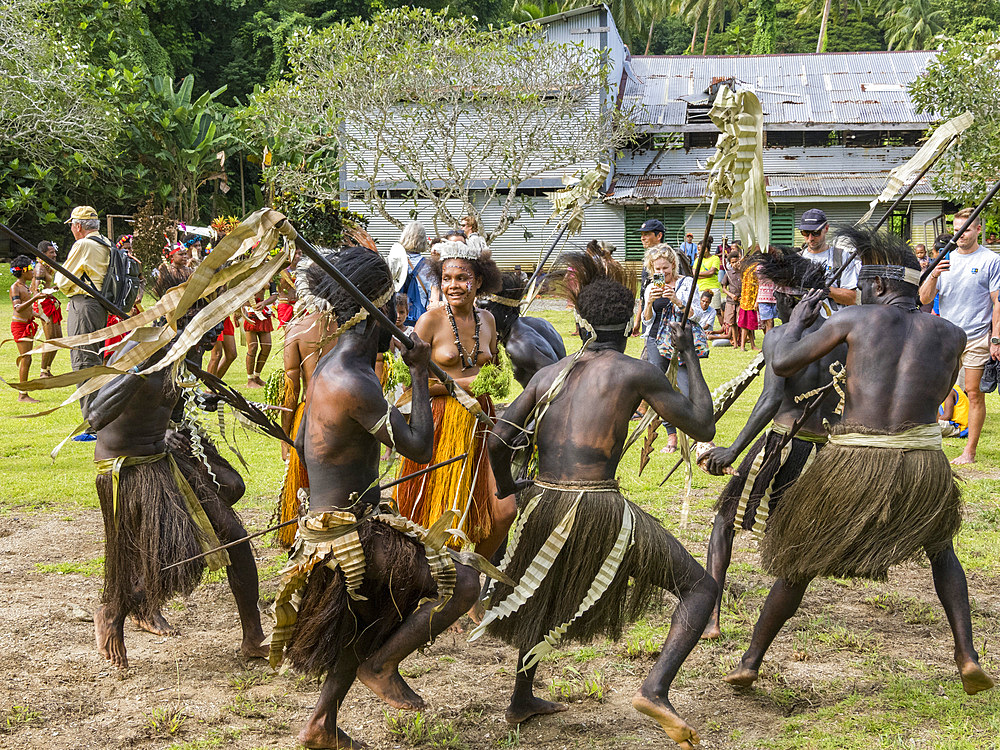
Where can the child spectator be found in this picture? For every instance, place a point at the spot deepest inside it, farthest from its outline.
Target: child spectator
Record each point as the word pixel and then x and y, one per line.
pixel 746 316
pixel 767 308
pixel 732 287
pixel 23 326
pixel 953 414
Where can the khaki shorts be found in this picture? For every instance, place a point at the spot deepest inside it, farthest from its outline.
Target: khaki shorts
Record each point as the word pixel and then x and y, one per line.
pixel 977 353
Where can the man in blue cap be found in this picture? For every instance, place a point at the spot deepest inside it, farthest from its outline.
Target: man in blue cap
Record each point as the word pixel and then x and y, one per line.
pixel 651 233
pixel 814 228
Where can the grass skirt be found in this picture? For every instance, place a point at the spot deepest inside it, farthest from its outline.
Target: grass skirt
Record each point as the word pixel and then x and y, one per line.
pixel 569 578
pixel 857 511
pixel 295 479
pixel 329 621
pixel 463 485
pixel 152 529
pixel 773 473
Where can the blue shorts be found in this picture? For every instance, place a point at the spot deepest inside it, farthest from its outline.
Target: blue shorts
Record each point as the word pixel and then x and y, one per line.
pixel 767 310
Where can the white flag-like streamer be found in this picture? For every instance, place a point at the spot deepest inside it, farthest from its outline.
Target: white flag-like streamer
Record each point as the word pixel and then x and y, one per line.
pixel 931 150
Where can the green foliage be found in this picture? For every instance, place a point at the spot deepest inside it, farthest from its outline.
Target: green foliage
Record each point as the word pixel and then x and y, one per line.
pixel 763 38
pixel 178 137
pixel 965 76
pixel 494 380
pixel 400 373
pixel 322 222
pixel 912 24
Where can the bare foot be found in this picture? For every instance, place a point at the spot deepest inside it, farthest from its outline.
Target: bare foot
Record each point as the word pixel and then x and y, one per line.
pixel 45 374
pixel 520 712
pixel 477 612
pixel 391 687
pixel 110 638
pixel 712 632
pixel 252 649
pixel 974 679
pixel 318 737
pixel 741 676
pixel 251 383
pixel 965 458
pixel 663 714
pixel 24 398
pixel 157 624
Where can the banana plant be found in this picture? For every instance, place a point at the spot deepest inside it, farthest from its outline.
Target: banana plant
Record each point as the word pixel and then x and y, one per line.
pixel 183 142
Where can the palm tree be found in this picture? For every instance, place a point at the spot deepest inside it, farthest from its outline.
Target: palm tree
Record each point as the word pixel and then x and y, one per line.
pixel 912 24
pixel 524 11
pixel 840 10
pixel 655 11
pixel 625 13
pixel 713 12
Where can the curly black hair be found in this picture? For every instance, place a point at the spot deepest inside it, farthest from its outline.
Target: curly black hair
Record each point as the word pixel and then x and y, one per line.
pixel 602 291
pixel 365 269
pixel 484 268
pixel 20 265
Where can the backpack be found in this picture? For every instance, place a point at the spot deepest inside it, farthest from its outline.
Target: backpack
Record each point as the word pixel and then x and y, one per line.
pixel 418 303
pixel 121 284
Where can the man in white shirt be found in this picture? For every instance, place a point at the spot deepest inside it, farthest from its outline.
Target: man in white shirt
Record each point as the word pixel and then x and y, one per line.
pixel 814 228
pixel 968 285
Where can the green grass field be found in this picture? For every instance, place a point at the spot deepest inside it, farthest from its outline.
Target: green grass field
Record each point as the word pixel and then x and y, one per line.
pixel 908 710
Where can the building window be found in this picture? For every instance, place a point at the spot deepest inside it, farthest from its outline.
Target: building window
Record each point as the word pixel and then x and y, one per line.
pixel 899 224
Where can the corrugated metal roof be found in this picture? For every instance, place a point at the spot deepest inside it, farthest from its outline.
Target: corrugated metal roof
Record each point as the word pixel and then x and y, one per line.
pixel 839 89
pixel 629 189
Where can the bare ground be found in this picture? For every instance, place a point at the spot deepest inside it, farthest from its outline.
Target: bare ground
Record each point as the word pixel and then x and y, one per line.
pixel 57 692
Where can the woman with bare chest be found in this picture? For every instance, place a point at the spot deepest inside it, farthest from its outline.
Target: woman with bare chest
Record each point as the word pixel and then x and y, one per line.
pixel 463 338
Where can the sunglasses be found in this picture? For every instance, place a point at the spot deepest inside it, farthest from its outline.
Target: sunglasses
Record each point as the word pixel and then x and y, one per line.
pixel 810 233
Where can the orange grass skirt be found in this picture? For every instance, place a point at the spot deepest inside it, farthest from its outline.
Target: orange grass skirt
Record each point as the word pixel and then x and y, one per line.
pixel 463 485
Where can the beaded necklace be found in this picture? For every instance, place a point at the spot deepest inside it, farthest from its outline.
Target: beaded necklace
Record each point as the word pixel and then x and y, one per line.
pixel 462 354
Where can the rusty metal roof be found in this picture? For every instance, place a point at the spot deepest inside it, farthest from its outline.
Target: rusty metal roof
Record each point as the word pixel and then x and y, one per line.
pixel 630 189
pixel 825 90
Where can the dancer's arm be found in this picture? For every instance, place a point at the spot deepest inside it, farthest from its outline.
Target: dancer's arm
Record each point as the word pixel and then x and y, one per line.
pixel 718 459
pixel 503 437
pixel 795 351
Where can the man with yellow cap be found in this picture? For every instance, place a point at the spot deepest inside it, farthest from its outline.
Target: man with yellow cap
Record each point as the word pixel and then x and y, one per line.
pixel 88 260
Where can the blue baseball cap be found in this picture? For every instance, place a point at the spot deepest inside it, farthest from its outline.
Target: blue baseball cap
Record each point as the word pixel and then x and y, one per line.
pixel 652 225
pixel 813 220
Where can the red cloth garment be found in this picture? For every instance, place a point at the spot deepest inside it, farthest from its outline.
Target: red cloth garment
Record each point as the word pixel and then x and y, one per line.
pixel 23 329
pixel 228 329
pixel 50 308
pixel 285 311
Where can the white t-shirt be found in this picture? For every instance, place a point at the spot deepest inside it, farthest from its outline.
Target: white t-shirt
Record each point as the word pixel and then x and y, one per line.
pixel 704 318
pixel 848 279
pixel 965 289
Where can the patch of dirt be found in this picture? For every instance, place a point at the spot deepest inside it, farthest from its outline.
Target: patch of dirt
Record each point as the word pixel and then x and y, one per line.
pixel 52 669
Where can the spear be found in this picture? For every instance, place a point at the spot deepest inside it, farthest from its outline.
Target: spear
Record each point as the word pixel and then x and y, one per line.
pixel 111 307
pixel 471 404
pixel 248 537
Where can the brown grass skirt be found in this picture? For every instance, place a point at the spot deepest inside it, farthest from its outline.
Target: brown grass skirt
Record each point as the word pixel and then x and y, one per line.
pixel 329 621
pixel 152 530
pixel 783 475
pixel 598 523
pixel 856 512
pixel 464 483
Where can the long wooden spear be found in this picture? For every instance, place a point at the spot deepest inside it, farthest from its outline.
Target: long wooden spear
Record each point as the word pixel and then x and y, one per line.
pixel 471 404
pixel 248 537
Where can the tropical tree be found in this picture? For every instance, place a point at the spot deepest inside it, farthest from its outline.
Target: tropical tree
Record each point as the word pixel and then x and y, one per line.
pixel 182 140
pixel 912 24
pixel 655 11
pixel 965 76
pixel 627 14
pixel 839 10
pixel 711 13
pixel 764 23
pixel 524 10
pixel 429 107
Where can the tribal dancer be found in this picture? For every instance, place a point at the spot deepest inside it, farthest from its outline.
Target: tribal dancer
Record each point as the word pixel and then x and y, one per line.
pixel 48 309
pixel 309 335
pixel 882 492
pixel 462 338
pixel 765 474
pixel 257 324
pixel 578 541
pixel 373 585
pixel 531 343
pixel 158 509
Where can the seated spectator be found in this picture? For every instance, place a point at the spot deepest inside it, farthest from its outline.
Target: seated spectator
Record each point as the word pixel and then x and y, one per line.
pixel 953 414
